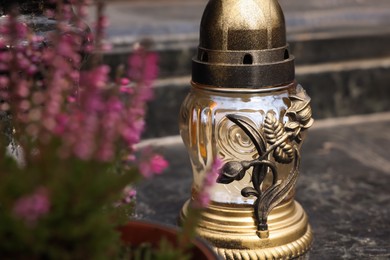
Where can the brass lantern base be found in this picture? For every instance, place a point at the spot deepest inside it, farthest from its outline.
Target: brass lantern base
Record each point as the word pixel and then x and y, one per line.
pixel 230 229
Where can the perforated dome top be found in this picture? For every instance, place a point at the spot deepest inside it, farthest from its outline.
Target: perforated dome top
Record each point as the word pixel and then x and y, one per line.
pixel 243 45
pixel 242 25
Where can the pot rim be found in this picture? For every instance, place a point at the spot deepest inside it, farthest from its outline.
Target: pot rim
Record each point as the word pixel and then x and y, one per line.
pixel 171 231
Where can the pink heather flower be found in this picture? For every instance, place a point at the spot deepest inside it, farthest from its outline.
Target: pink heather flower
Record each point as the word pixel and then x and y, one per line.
pixel 49 13
pixel 153 165
pixel 23 88
pixel 76 107
pixel 83 11
pixel 151 70
pixel 62 121
pixel 124 81
pixel 5 56
pixel 213 173
pixel 103 22
pixel 31 208
pixel 132 133
pixel 202 199
pixel 21 30
pixel 89 39
pixel 130 158
pixel 158 164
pixel 106 152
pixel 67 11
pixel 143 70
pixel 125 86
pixel 111 125
pixel 98 77
pixel 145 169
pixel 71 99
pixel 129 194
pixel 126 89
pixel 4 91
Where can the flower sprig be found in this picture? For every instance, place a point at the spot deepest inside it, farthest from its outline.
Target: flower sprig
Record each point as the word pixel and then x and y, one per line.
pixel 49 96
pixel 76 130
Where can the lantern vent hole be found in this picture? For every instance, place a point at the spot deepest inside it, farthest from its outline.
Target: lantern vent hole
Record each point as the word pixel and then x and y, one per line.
pixel 248 59
pixel 204 57
pixel 286 55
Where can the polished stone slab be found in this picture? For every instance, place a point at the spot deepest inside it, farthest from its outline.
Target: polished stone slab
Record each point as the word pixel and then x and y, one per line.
pixel 164 19
pixel 344 186
pixel 341 50
pixel 317 31
pixel 336 89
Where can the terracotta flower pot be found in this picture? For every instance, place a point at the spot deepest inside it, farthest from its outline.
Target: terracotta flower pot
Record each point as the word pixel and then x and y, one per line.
pixel 138 232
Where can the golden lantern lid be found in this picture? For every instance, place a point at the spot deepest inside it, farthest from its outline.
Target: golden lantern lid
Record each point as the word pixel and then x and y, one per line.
pixel 243 45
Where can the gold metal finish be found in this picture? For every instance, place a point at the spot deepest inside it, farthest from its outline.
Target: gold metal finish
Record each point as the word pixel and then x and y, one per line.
pixel 230 229
pixel 243 90
pixel 242 25
pixel 243 45
pixel 246 108
pixel 277 227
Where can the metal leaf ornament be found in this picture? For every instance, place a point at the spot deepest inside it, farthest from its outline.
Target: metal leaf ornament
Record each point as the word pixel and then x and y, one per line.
pixel 277 139
pixel 274 131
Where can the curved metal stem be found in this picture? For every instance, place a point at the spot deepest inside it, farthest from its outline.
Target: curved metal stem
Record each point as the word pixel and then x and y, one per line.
pixel 269 164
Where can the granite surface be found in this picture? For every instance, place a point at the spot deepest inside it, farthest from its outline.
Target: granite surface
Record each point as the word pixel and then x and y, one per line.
pixel 344 187
pixel 336 90
pixel 164 19
pixel 318 31
pixel 341 50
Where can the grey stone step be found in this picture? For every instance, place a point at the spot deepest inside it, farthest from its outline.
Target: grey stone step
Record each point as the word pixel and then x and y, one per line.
pixel 318 31
pixel 341 48
pixel 131 20
pixel 337 89
pixel 175 55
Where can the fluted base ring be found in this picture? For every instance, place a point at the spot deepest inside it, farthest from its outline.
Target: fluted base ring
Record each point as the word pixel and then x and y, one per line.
pixel 230 228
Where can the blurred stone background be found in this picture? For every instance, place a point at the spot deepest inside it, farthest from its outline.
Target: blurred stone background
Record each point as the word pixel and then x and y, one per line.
pixel 342 51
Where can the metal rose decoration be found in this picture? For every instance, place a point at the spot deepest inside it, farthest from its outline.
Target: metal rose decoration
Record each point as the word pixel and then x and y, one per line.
pixel 275 143
pixel 233 171
pixel 299 113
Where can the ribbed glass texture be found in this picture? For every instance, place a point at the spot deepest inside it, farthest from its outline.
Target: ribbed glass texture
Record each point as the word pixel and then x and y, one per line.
pixel 207 132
